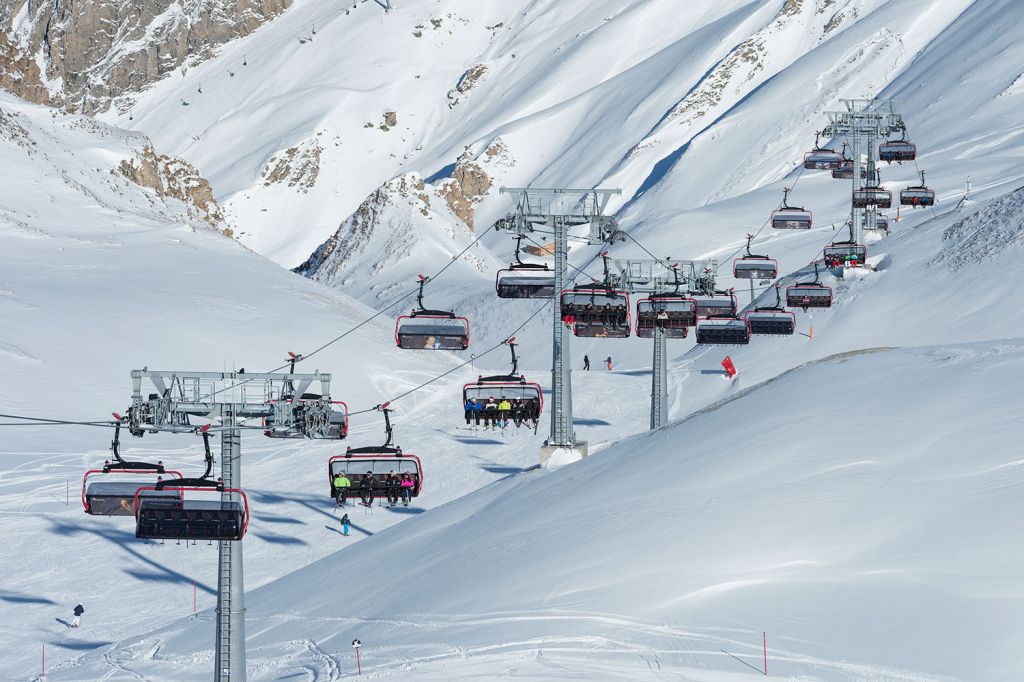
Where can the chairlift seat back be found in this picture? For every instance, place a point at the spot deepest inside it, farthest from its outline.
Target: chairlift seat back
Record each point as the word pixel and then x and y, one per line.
pixel 161 519
pixel 871 196
pixel 432 332
pixel 525 283
pixel 822 159
pixel 896 151
pixel 117 498
pixel 771 322
pixel 792 219
pixel 727 331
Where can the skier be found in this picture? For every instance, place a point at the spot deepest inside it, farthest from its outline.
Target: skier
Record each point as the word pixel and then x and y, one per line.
pixel 407 485
pixel 490 413
pixel 79 610
pixel 391 486
pixel 342 485
pixel 586 363
pixel 504 408
pixel 478 407
pixel 518 409
pixel 344 525
pixel 470 409
pixel 366 488
pixel 608 360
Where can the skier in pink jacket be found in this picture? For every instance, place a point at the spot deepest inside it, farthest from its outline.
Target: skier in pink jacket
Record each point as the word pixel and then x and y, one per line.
pixel 407 485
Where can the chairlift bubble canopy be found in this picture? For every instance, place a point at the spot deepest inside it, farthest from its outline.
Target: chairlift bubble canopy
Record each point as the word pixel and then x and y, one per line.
pixel 822 159
pixel 871 196
pixel 117 497
pixel 432 330
pixel 525 280
pixel 755 267
pixel 674 313
pixel 897 151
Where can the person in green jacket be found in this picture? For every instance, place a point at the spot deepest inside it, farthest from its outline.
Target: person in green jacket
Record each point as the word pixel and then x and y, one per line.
pixel 341 487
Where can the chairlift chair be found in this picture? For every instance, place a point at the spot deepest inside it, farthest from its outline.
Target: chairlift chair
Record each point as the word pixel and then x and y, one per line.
pixel 822 158
pixel 876 196
pixel 159 516
pixel 183 518
pixel 752 266
pixel 116 497
pixel 845 253
pixel 788 217
pixel 882 222
pixel 511 387
pixel 809 294
pixel 424 329
pixel 897 151
pixel 597 310
pixel 675 313
pixel 723 330
pixel 379 461
pixel 917 196
pixel 717 304
pixel 771 320
pixel 525 280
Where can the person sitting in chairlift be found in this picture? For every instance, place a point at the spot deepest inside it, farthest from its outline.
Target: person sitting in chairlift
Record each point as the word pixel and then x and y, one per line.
pixel 406 485
pixel 470 409
pixel 504 411
pixel 341 487
pixel 366 489
pixel 490 413
pixel 392 484
pixel 518 410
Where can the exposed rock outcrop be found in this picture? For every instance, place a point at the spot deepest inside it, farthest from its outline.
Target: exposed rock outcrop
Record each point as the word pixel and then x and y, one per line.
pixel 95 53
pixel 177 179
pixel 297 166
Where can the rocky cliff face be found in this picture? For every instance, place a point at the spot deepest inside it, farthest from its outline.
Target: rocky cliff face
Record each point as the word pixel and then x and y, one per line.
pixel 88 55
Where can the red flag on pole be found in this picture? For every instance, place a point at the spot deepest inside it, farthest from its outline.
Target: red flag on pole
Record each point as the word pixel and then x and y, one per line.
pixel 730 368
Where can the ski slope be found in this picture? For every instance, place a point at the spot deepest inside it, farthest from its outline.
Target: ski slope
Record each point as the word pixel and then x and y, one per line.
pixel 855 496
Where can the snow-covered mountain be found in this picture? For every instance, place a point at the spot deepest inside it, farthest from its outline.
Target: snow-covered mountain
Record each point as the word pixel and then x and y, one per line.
pixel 855 495
pixel 90 55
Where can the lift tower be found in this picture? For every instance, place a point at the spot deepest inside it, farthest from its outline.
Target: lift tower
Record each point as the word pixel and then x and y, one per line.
pixel 559 210
pixel 651 276
pixel 861 127
pixel 228 397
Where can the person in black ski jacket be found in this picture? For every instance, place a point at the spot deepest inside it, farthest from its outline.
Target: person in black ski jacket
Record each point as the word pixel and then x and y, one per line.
pixel 366 488
pixel 392 487
pixel 79 610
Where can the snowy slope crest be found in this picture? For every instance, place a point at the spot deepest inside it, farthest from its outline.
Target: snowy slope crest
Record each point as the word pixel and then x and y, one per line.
pixel 117 169
pixel 996 227
pixel 408 225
